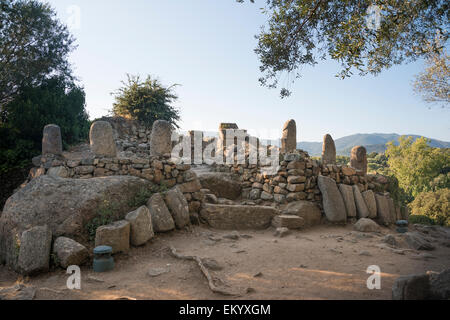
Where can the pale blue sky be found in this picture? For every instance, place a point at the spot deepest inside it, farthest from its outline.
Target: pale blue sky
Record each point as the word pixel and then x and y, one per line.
pixel 207 47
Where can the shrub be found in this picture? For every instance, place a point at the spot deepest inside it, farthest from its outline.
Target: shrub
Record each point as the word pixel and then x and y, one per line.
pixel 107 213
pixel 434 205
pixel 420 219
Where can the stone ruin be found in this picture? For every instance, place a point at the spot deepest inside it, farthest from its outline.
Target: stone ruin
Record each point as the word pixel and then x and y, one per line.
pixel 64 190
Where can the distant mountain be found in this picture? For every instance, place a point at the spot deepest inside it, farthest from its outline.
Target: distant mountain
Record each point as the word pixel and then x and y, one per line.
pixel 374 142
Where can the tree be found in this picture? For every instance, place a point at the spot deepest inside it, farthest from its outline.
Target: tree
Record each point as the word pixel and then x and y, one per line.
pixel 301 32
pixel 34 46
pixel 416 164
pixel 57 101
pixel 146 101
pixel 435 205
pixel 434 82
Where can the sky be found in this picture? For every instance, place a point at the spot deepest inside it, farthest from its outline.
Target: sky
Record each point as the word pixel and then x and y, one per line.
pixel 208 48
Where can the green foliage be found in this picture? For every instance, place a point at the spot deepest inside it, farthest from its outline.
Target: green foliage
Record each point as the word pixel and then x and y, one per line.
pixel 107 213
pixel 33 46
pixel 342 160
pixel 377 163
pixel 56 101
pixel 303 32
pixel 416 164
pixel 434 205
pixel 140 198
pixel 420 219
pixel 146 101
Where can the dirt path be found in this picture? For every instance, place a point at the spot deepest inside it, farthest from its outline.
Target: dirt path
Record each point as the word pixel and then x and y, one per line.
pixel 326 262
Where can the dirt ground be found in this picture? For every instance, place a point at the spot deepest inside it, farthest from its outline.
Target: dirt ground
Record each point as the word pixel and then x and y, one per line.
pixel 325 262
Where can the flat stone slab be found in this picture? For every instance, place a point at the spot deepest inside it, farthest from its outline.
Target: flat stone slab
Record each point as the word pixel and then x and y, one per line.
pixel 288 221
pixel 237 217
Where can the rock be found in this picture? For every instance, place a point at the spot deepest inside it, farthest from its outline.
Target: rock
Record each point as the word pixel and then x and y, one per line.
pixel 383 213
pixel 34 250
pixel 51 140
pixel 102 140
pixel 211 198
pixel 58 172
pixel 288 221
pixel 232 236
pixel 411 287
pixel 347 171
pixel 417 242
pixel 308 211
pixel 221 184
pixel 349 199
pixel 65 205
pixel 281 232
pixel 333 204
pixel 440 285
pixel 178 207
pixel 392 211
pixel 191 186
pixel 266 196
pixel 237 217
pixel 365 253
pixel 116 235
pixel 255 194
pixel 366 225
pixel 363 211
pixel 211 264
pixel 69 252
pixel 141 227
pixel 369 198
pixel 328 150
pixel 390 239
pixel 18 292
pixel 358 159
pixel 161 138
pixel 161 218
pixel 289 137
pixel 154 272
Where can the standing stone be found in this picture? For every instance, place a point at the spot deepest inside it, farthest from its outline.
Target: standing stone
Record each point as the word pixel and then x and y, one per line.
pixel 34 250
pixel 289 137
pixel 369 198
pixel 178 206
pixel 115 235
pixel 102 139
pixel 383 209
pixel 141 226
pixel 328 150
pixel 51 140
pixel 333 204
pixel 161 138
pixel 69 252
pixel 161 218
pixel 349 199
pixel 363 211
pixel 358 159
pixel 392 212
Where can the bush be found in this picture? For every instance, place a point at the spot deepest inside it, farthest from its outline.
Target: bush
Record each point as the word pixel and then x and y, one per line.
pixel 434 205
pixel 146 101
pixel 420 219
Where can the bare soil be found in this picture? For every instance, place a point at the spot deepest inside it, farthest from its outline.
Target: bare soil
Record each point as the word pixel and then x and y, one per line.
pixel 325 262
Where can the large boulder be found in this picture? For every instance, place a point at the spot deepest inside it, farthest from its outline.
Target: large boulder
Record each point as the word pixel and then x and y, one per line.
pixel 161 218
pixel 440 285
pixel 237 217
pixel 69 252
pixel 363 211
pixel 416 241
pixel 141 226
pixel 221 184
pixel 333 204
pixel 349 199
pixel 116 235
pixel 369 198
pixel 411 287
pixel 65 205
pixel 366 225
pixel 178 206
pixel 307 210
pixel 34 250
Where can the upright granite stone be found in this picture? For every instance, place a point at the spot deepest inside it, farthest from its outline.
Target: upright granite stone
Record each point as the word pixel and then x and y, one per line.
pixel 161 138
pixel 328 150
pixel 369 198
pixel 383 212
pixel 307 210
pixel 116 235
pixel 349 199
pixel 333 204
pixel 358 158
pixel 141 226
pixel 178 206
pixel 289 137
pixel 51 140
pixel 363 211
pixel 161 218
pixel 34 250
pixel 102 139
